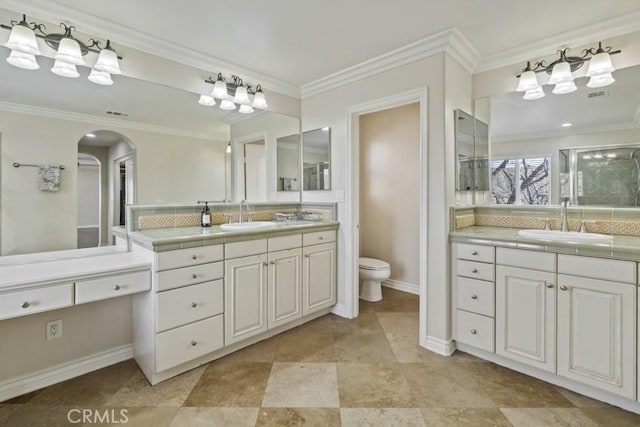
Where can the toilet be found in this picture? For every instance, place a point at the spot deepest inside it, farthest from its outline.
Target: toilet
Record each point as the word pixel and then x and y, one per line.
pixel 372 273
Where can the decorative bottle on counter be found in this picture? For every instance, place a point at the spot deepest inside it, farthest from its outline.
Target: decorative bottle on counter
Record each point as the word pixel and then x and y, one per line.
pixel 205 216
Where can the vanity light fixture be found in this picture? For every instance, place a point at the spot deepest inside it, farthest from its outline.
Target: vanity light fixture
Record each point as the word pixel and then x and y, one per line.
pixel 228 150
pixel 234 92
pixel 70 51
pixel 561 71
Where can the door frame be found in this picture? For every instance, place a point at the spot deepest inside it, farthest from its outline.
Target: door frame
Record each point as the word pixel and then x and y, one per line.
pixel 237 162
pixel 115 198
pixel 352 242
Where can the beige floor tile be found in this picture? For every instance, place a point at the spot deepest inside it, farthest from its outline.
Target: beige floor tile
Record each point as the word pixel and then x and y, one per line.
pixel 173 392
pixel 611 416
pixel 373 385
pixel 294 417
pixel 322 325
pixel 140 417
pixel 263 351
pixel 401 330
pixel 511 389
pixel 7 409
pixel 396 301
pixel 381 417
pixel 579 400
pixel 234 384
pixel 366 324
pixel 90 390
pixel 38 416
pixel 535 417
pixel 302 385
pixel 298 346
pixel 471 417
pixel 215 417
pixel 23 398
pixel 446 385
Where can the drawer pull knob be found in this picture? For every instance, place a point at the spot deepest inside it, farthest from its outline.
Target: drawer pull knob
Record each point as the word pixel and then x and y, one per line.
pixel 272 262
pixel 194 343
pixel 550 285
pixel 194 275
pixel 265 264
pixel 307 255
pixel 474 270
pixel 473 332
pixel 563 288
pixel 474 252
pixel 26 304
pixel 474 296
pixel 116 288
pixel 194 257
pixel 194 305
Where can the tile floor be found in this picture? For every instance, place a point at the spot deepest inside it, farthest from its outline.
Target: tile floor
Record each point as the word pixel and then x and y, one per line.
pixel 329 372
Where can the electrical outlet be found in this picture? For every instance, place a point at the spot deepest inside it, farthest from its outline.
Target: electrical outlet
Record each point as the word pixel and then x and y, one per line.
pixel 54 329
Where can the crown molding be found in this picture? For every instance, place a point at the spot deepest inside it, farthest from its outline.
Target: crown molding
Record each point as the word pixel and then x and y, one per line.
pixel 449 40
pixel 585 35
pixel 102 121
pixel 54 11
pixel 560 133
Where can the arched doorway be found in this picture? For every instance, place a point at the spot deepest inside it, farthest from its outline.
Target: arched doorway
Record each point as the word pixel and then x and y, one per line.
pixel 89 191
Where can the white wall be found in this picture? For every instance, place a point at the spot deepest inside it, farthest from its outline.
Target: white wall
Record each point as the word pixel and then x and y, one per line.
pixel 169 169
pixel 390 190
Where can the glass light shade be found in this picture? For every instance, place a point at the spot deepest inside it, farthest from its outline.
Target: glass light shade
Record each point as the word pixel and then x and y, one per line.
pixel 23 60
pixel 23 39
pixel 532 94
pixel 100 77
pixel 564 87
pixel 227 105
pixel 259 101
pixel 600 80
pixel 69 51
pixel 219 90
pixel 528 81
pixel 561 73
pixel 242 97
pixel 108 62
pixel 206 100
pixel 64 69
pixel 245 109
pixel 600 64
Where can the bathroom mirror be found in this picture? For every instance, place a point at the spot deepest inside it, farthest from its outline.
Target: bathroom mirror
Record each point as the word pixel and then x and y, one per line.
pixel 288 163
pixel 532 144
pixel 472 155
pixel 316 160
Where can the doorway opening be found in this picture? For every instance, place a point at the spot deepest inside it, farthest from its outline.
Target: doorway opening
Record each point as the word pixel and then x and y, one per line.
pixel 250 167
pixel 89 189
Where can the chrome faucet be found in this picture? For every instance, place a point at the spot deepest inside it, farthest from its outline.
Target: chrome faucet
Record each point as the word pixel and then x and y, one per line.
pixel 563 214
pixel 244 202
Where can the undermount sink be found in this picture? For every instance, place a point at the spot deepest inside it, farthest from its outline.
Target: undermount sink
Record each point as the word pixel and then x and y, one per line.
pixel 564 236
pixel 238 226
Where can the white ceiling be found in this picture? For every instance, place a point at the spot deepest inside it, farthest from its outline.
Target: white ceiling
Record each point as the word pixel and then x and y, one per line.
pixel 301 41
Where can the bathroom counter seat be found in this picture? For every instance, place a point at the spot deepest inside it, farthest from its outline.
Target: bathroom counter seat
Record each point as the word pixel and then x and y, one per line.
pixel 620 247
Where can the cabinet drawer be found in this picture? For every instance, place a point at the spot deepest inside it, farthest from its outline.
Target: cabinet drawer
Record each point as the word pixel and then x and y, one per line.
pixel 189 304
pixel 475 330
pixel 179 277
pixel 285 242
pixel 186 257
pixel 476 296
pixel 532 260
pixel 22 303
pixel 318 237
pixel 240 249
pixel 475 270
pixel 597 268
pixel 112 286
pixel 189 342
pixel 475 252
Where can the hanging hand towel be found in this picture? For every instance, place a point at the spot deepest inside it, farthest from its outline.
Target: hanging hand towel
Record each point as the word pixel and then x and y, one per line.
pixel 49 178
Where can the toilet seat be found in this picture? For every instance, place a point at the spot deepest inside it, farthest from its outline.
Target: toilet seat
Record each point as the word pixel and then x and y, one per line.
pixel 373 264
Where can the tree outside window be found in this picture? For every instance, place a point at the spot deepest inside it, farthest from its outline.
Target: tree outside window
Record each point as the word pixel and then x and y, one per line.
pixel 523 181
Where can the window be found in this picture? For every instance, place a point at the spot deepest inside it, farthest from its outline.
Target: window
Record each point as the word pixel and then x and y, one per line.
pixel 522 181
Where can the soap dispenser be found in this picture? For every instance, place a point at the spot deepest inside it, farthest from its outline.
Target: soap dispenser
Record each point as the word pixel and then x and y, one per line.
pixel 205 216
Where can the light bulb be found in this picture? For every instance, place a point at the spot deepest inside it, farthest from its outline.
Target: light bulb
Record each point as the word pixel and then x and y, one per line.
pixel 64 69
pixel 245 109
pixel 528 81
pixel 534 94
pixel 242 97
pixel 23 39
pixel 600 80
pixel 108 62
pixel 227 105
pixel 69 51
pixel 23 60
pixel 219 89
pixel 564 87
pixel 259 101
pixel 206 100
pixel 100 77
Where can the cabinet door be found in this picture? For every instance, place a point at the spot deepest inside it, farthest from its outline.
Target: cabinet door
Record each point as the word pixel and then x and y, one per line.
pixel 597 333
pixel 525 316
pixel 285 286
pixel 319 277
pixel 245 285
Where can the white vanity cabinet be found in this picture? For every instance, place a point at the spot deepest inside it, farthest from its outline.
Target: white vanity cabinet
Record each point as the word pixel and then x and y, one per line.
pixel 597 323
pixel 319 271
pixel 526 307
pixel 285 287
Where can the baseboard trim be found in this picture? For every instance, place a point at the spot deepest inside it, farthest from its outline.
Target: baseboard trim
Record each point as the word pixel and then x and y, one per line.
pixel 402 286
pixel 442 347
pixel 342 311
pixel 43 378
